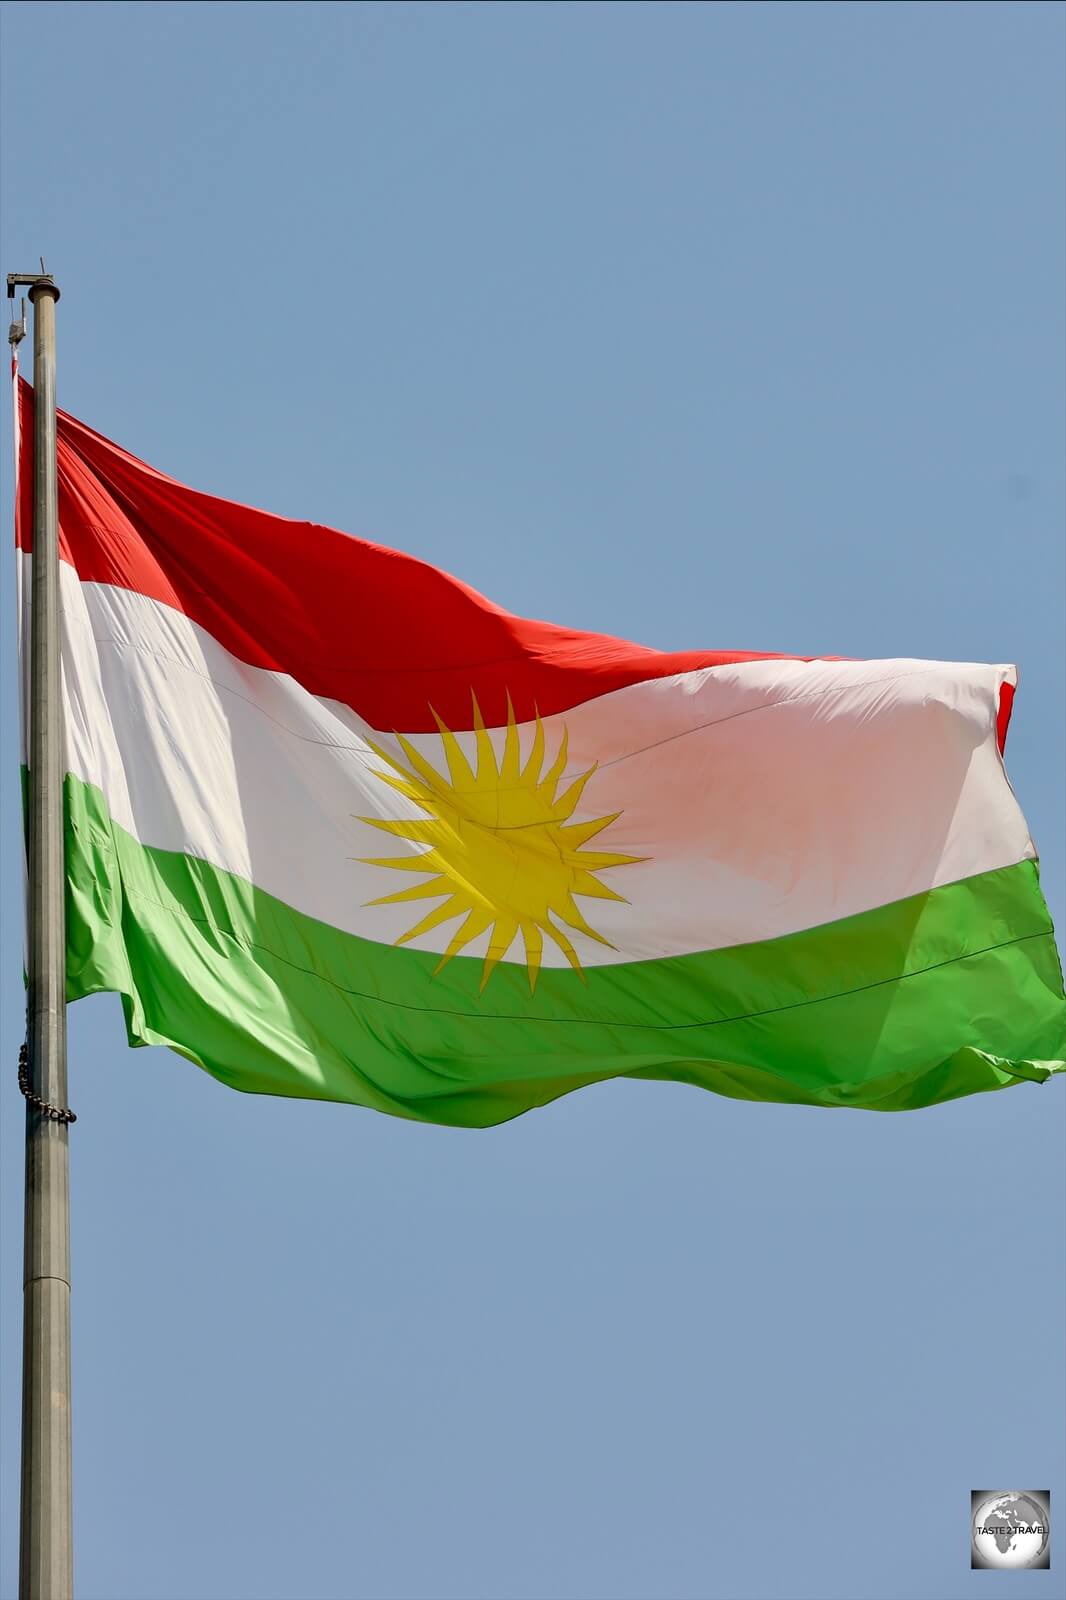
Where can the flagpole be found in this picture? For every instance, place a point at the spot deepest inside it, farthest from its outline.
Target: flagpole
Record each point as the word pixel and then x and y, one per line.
pixel 46 1565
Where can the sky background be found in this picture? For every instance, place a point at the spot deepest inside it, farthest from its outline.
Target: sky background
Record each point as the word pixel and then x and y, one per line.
pixel 730 326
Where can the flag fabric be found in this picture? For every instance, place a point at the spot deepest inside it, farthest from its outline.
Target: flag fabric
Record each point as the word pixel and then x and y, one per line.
pixel 339 827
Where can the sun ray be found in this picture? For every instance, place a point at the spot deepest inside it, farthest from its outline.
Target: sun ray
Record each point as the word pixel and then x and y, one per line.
pixel 556 770
pixel 531 770
pixel 597 861
pixel 429 774
pixel 568 912
pixel 575 834
pixel 502 854
pixel 405 786
pixel 459 769
pixel 510 766
pixel 417 863
pixel 383 755
pixel 533 940
pixel 452 907
pixel 503 936
pixel 412 828
pixel 486 755
pixel 432 889
pixel 564 806
pixel 477 920
pixel 565 946
pixel 586 884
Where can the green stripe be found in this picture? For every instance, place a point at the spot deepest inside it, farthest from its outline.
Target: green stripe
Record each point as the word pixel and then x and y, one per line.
pixel 940 995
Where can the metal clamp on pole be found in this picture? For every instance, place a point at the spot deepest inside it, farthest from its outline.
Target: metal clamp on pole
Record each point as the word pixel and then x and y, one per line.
pixel 26 280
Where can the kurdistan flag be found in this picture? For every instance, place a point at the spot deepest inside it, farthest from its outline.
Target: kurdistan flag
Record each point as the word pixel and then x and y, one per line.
pixel 339 827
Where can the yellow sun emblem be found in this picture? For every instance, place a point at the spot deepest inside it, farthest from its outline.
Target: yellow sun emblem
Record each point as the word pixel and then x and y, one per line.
pixel 500 848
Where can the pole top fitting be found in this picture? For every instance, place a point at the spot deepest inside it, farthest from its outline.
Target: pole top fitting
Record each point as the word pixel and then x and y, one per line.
pixel 34 282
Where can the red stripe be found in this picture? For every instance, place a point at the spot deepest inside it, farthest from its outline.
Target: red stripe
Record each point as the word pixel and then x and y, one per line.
pixel 1006 706
pixel 386 634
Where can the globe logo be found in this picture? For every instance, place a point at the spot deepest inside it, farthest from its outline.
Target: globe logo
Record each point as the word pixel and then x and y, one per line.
pixel 1010 1528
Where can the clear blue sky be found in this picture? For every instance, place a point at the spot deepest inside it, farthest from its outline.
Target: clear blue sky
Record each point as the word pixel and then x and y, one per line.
pixel 707 326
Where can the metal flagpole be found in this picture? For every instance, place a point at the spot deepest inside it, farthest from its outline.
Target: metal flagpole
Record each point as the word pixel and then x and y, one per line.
pixel 46 1553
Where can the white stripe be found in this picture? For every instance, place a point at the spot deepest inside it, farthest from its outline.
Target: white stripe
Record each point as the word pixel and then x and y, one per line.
pixel 769 797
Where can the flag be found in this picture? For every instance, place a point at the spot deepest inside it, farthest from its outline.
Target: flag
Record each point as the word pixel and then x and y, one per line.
pixel 339 827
